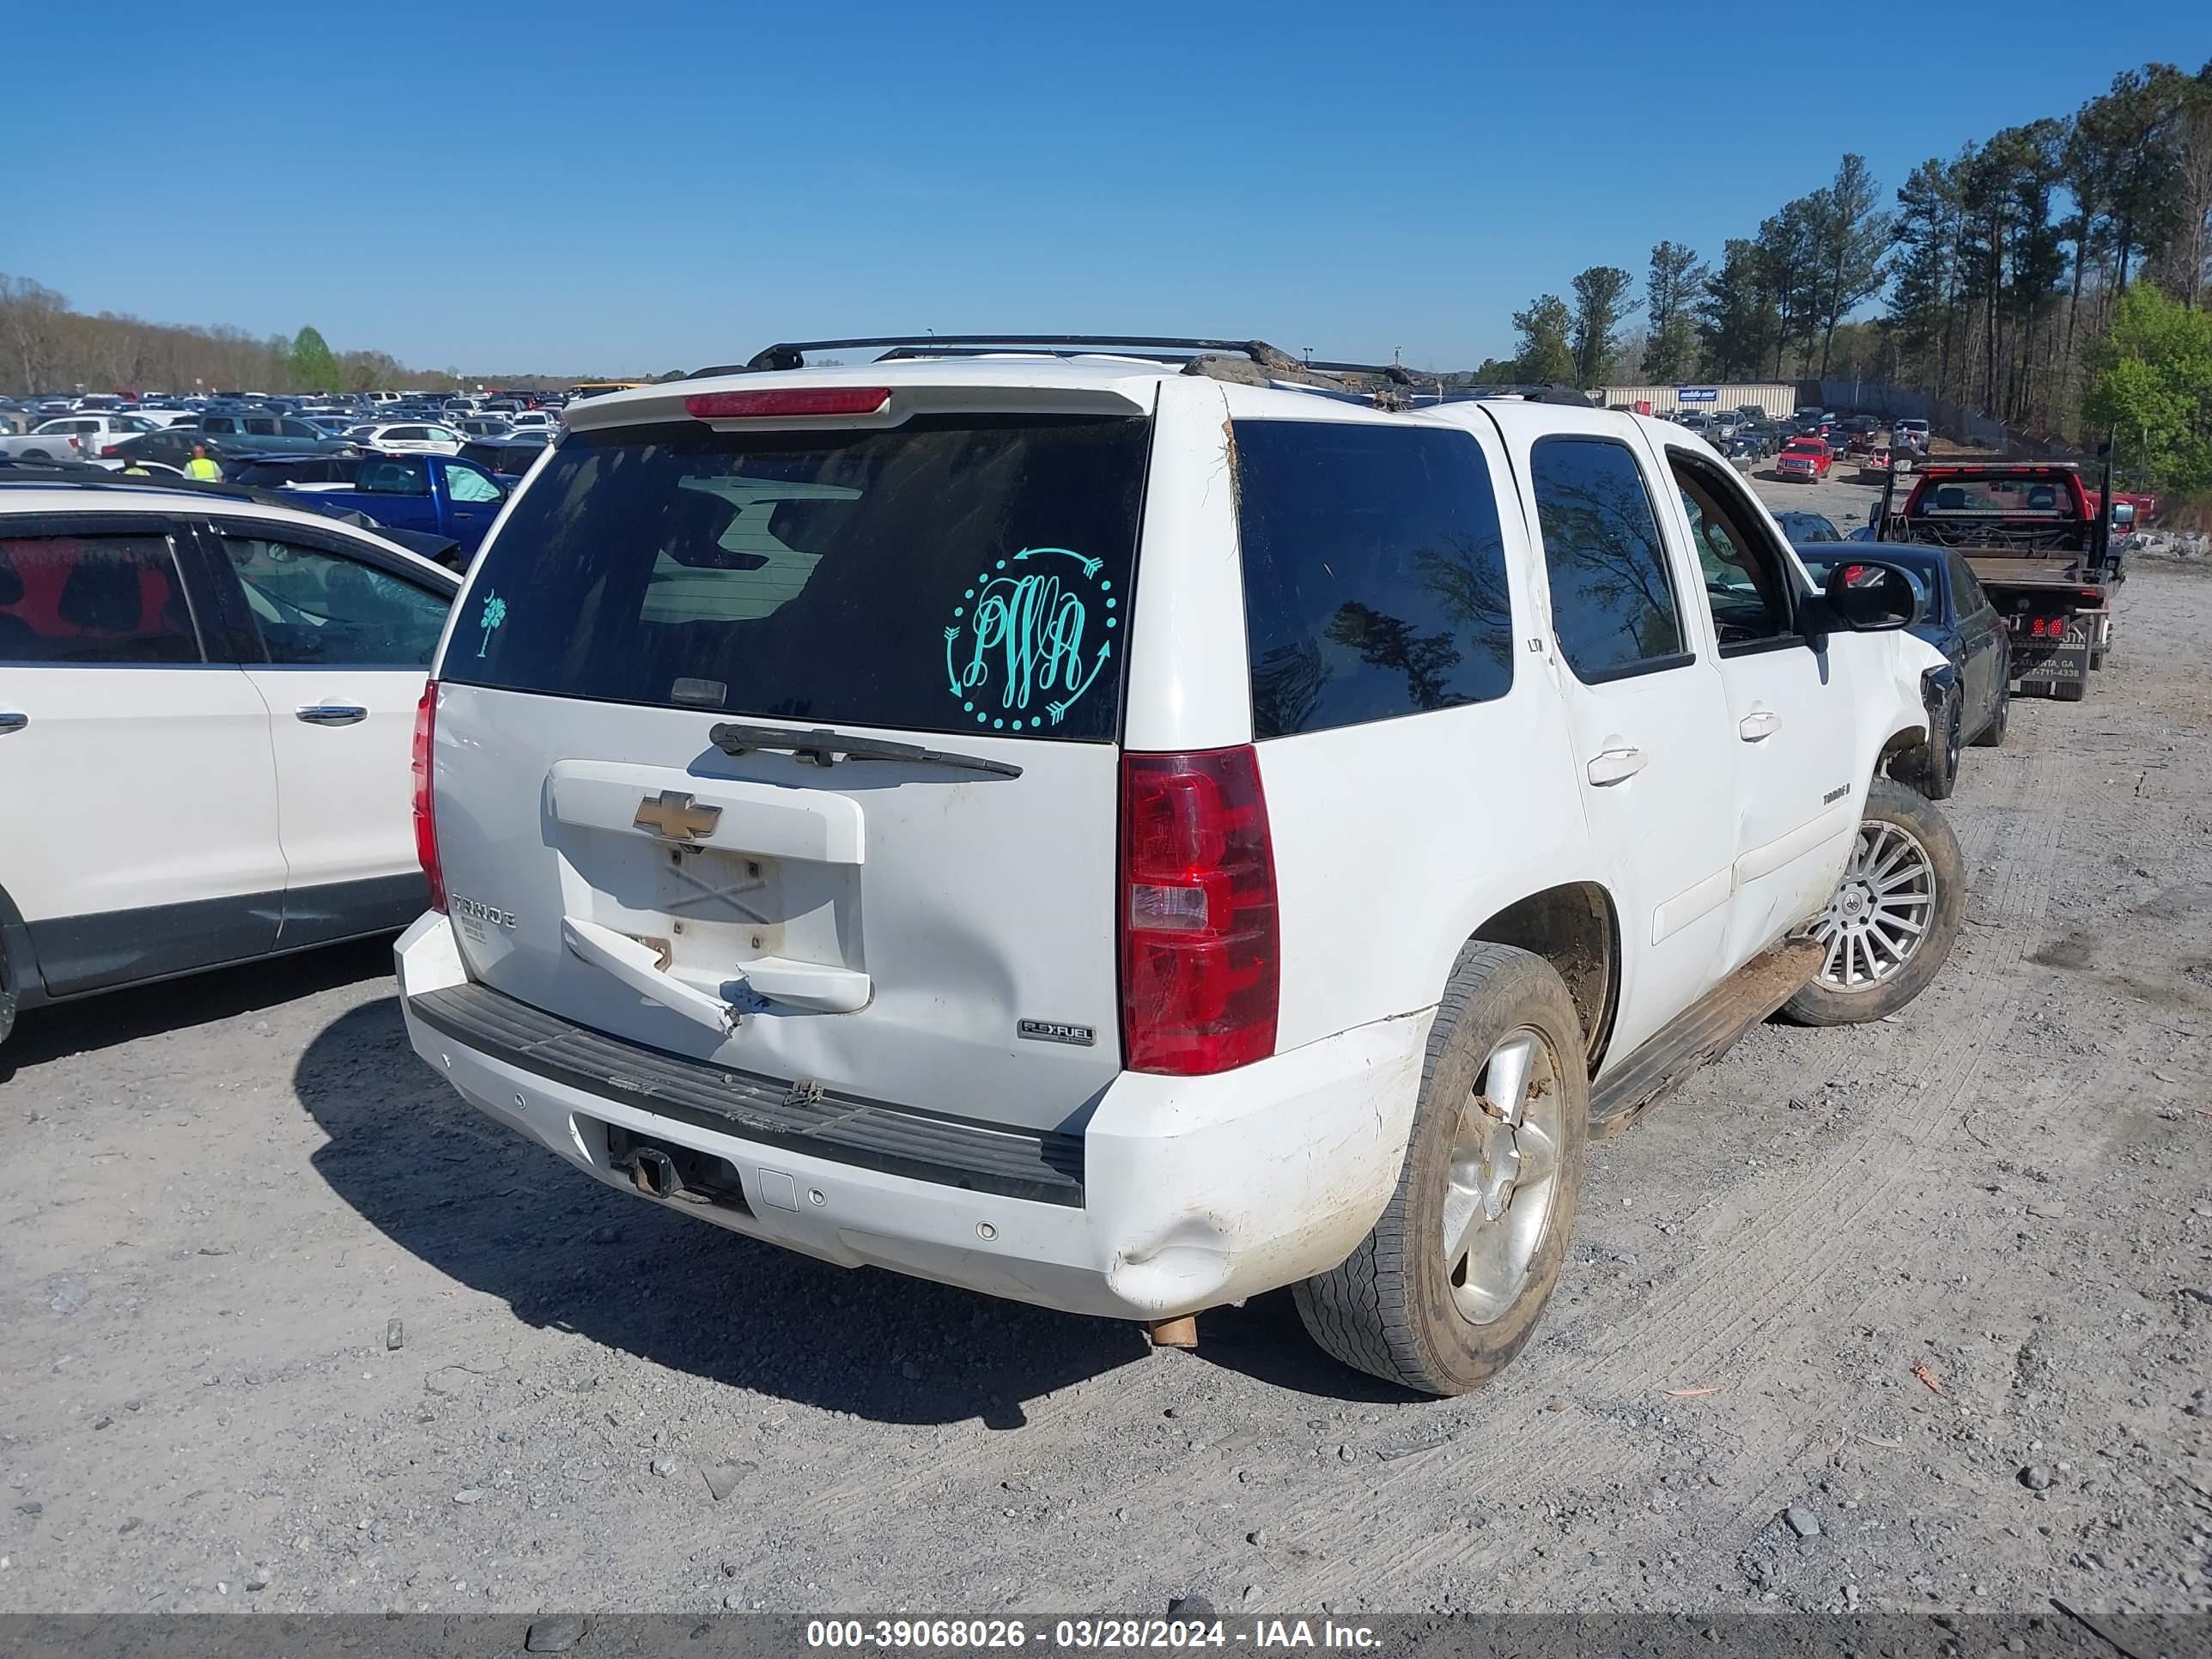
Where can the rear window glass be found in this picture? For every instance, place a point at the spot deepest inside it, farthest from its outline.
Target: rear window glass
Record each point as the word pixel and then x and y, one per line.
pixel 952 573
pixel 1374 574
pixel 2051 497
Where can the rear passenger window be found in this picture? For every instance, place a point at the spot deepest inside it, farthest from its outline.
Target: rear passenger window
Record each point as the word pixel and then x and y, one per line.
pixel 1613 602
pixel 324 610
pixel 1965 591
pixel 1374 574
pixel 393 478
pixel 92 600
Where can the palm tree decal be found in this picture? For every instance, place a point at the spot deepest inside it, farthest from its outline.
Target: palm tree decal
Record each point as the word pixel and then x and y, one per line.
pixel 493 613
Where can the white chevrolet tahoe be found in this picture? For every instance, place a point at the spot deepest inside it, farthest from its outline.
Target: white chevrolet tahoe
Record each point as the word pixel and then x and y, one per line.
pixel 1128 833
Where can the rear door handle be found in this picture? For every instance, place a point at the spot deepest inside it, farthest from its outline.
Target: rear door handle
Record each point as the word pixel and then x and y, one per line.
pixel 1758 723
pixel 1613 766
pixel 332 713
pixel 12 721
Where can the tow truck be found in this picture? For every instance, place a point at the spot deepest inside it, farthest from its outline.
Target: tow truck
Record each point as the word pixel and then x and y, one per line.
pixel 2040 547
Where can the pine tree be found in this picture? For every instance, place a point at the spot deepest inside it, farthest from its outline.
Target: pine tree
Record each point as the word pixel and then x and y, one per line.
pixel 1672 290
pixel 1849 234
pixel 1601 304
pixel 1544 358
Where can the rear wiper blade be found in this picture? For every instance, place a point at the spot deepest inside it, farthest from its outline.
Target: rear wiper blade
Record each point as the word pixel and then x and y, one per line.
pixel 825 748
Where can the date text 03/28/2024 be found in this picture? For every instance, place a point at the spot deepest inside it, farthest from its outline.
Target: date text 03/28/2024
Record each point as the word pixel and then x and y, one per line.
pixel 1261 1635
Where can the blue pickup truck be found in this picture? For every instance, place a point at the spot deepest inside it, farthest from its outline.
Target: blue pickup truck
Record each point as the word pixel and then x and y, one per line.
pixel 431 494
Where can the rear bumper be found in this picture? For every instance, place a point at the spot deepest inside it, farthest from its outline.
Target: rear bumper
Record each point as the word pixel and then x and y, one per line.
pixel 1188 1192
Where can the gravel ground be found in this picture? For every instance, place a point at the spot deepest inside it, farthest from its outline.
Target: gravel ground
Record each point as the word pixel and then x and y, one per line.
pixel 1910 1315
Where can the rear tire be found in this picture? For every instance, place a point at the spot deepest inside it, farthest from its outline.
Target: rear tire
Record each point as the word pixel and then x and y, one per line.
pixel 1905 872
pixel 1442 1293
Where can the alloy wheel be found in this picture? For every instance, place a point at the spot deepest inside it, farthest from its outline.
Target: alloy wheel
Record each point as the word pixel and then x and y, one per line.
pixel 1880 911
pixel 1503 1172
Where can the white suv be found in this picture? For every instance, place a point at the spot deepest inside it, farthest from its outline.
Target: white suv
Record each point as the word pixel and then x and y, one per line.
pixel 205 704
pixel 408 438
pixel 1128 835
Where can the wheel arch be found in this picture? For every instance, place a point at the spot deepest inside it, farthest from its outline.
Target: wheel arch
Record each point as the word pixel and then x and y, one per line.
pixel 1575 927
pixel 1904 753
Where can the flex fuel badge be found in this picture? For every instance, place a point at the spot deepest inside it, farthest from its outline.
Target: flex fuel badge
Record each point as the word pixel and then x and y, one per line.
pixel 1030 637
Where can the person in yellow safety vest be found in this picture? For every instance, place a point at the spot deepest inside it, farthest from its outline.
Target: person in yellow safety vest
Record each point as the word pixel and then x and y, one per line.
pixel 201 467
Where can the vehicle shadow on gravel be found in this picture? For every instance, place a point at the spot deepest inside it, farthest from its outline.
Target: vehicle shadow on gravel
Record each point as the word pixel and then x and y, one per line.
pixel 498 1214
pixel 47 1034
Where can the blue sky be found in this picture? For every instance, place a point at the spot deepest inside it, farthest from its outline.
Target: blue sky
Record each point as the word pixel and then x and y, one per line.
pixel 572 188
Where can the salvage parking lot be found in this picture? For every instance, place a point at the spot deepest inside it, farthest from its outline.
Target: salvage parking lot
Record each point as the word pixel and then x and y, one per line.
pixel 1908 1314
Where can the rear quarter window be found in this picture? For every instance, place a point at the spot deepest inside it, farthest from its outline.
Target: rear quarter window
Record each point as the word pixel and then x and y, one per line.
pixel 954 573
pixel 1374 574
pixel 98 599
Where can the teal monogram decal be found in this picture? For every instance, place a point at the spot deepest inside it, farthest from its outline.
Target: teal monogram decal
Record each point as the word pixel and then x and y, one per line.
pixel 1016 652
pixel 493 614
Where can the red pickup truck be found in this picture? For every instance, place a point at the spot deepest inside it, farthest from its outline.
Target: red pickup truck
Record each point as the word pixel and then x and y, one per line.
pixel 1804 461
pixel 2030 533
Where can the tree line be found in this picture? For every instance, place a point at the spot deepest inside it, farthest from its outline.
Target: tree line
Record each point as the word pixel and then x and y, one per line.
pixel 47 347
pixel 2004 271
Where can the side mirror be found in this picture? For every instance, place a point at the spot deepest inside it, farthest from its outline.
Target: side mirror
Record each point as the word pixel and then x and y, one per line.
pixel 2124 515
pixel 1870 598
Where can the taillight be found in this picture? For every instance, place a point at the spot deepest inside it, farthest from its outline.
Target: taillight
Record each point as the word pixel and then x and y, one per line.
pixel 106 450
pixel 426 816
pixel 790 401
pixel 1200 943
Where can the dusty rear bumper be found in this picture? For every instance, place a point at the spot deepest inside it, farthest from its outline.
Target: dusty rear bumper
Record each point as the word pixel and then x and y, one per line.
pixel 1192 1191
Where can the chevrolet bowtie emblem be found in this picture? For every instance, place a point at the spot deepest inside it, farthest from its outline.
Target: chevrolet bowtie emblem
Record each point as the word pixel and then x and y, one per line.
pixel 676 816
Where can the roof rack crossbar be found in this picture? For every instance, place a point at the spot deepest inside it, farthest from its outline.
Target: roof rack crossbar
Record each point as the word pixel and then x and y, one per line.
pixel 1159 347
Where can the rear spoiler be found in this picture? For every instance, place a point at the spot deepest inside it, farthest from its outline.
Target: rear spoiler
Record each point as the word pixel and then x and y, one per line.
pixel 1015 391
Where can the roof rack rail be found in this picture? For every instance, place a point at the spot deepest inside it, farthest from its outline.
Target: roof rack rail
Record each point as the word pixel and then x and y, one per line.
pixel 1156 347
pixel 428 544
pixel 1545 392
pixel 91 478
